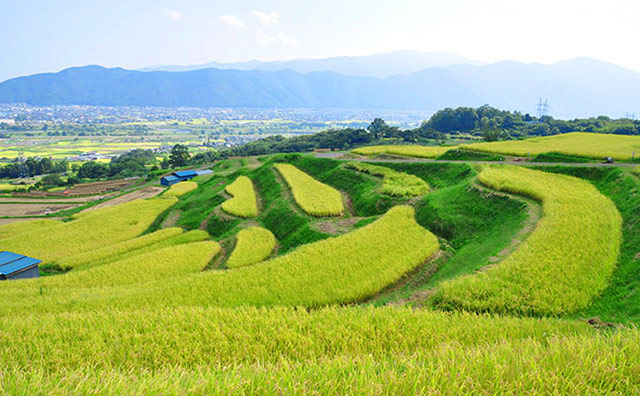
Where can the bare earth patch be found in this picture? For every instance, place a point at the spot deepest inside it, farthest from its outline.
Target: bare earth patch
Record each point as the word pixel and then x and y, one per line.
pixel 335 227
pixel 171 219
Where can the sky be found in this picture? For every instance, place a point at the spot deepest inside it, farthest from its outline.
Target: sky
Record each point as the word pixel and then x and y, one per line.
pixel 48 36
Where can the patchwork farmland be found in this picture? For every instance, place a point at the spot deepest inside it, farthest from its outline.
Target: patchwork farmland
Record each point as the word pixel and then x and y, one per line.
pixel 365 273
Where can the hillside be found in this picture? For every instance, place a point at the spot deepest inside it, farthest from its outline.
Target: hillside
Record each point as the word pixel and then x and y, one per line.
pixel 432 278
pixel 575 88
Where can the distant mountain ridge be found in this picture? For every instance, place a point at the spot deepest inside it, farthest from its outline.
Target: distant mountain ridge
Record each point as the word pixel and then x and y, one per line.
pixel 579 87
pixel 380 65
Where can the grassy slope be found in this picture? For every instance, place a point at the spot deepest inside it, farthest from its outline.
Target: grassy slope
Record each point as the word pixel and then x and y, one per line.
pixel 559 157
pixel 476 225
pixel 468 155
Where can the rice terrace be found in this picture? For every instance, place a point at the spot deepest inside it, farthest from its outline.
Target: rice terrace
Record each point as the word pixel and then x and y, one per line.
pixel 259 296
pixel 314 198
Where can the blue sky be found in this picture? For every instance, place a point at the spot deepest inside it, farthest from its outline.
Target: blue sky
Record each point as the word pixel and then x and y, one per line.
pixel 41 36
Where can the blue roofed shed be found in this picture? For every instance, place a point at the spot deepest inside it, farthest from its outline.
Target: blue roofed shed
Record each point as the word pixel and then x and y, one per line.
pixel 18 266
pixel 179 176
pixel 186 174
pixel 169 180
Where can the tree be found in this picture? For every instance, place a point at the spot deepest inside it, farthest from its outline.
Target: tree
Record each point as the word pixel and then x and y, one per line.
pixel 179 156
pixel 52 180
pixel 462 119
pixel 377 128
pixel 93 170
pixel 493 135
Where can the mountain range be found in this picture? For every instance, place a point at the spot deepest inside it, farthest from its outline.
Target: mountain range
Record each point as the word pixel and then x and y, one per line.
pixel 377 65
pixel 579 87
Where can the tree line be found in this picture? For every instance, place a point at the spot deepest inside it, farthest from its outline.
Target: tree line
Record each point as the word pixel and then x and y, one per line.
pixel 484 122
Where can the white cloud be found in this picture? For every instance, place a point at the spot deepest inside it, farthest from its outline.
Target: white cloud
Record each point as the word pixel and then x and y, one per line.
pixel 278 38
pixel 267 19
pixel 287 40
pixel 173 15
pixel 232 20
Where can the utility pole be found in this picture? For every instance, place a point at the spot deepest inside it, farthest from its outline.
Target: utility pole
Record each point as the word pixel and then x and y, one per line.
pixel 542 108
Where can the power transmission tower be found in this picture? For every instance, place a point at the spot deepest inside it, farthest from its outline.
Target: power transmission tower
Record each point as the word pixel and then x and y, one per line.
pixel 631 116
pixel 542 107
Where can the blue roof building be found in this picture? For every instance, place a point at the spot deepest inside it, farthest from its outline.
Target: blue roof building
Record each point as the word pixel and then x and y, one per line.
pixel 170 180
pixel 186 174
pixel 179 176
pixel 17 266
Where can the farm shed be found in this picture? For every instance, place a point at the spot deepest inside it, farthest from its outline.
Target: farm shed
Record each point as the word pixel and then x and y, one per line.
pixel 169 180
pixel 184 175
pixel 17 266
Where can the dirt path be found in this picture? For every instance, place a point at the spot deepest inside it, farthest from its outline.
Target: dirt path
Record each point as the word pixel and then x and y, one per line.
pixel 413 278
pixel 335 227
pixel 171 219
pixel 534 214
pixel 252 162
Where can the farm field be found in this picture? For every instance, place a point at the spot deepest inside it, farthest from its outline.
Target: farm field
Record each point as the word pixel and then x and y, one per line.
pixel 243 201
pixel 590 145
pixel 575 147
pixel 371 277
pixel 143 193
pixel 253 245
pixel 66 147
pixel 408 151
pixel 393 182
pixel 32 208
pixel 314 197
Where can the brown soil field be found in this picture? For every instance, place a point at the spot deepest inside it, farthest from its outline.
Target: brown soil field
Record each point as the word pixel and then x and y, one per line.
pixel 39 209
pixel 146 192
pixel 48 200
pixel 84 189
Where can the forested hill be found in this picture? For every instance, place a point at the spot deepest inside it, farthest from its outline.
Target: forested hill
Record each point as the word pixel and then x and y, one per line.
pixel 576 88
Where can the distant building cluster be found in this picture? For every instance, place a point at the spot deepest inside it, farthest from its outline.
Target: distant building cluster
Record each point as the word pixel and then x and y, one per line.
pixel 90 156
